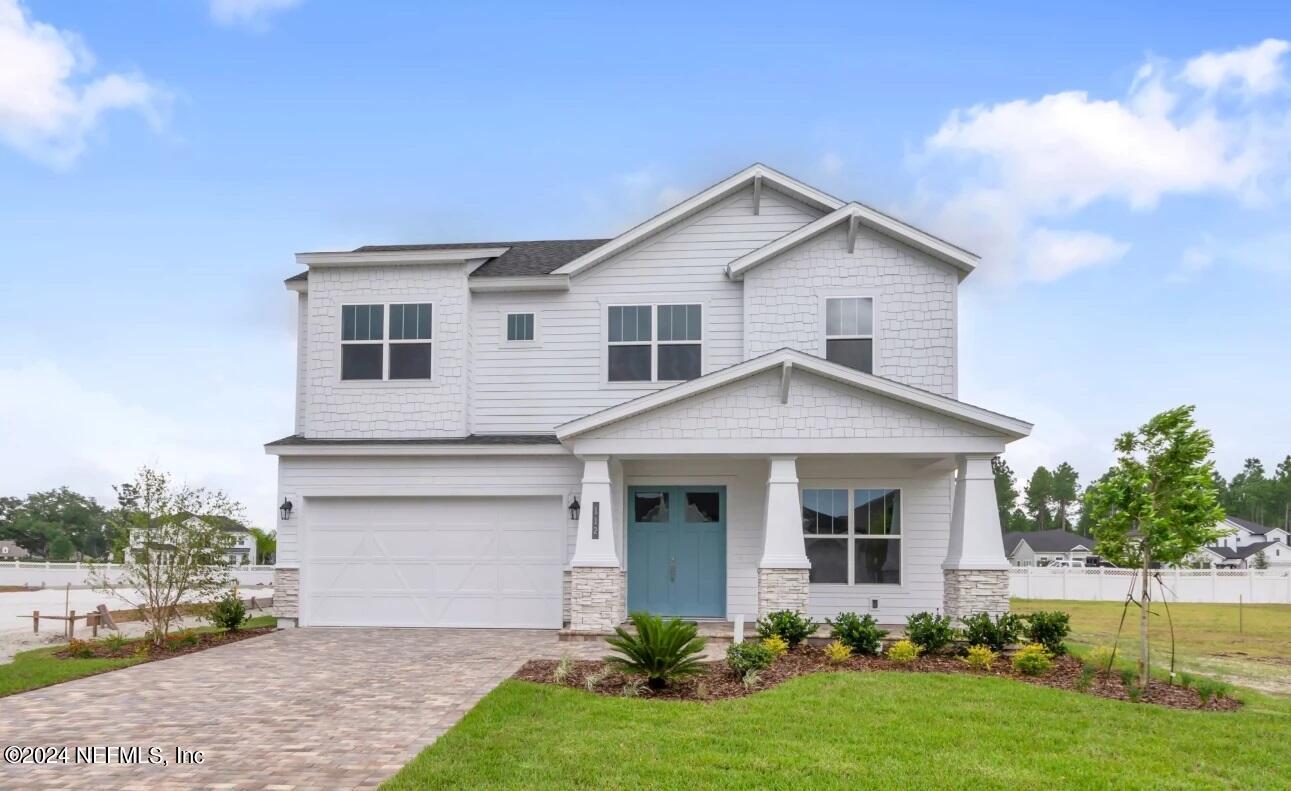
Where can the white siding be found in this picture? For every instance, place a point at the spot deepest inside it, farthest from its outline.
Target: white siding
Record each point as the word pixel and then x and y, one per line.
pixel 302 358
pixel 532 389
pixel 914 295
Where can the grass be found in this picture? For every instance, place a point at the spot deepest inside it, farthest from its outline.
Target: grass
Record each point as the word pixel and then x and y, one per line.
pixel 40 668
pixel 855 730
pixel 1208 640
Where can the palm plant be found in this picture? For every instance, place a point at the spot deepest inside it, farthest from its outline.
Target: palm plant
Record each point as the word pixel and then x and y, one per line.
pixel 660 650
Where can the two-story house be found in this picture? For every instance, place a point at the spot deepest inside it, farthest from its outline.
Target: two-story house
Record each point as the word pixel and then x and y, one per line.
pixel 1246 544
pixel 241 548
pixel 745 403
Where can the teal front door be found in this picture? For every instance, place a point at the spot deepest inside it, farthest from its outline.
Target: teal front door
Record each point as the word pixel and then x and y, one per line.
pixel 677 550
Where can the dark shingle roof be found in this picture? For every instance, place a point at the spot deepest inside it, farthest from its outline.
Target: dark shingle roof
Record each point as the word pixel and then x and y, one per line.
pixel 1241 553
pixel 1047 541
pixel 540 257
pixel 1252 527
pixel 472 439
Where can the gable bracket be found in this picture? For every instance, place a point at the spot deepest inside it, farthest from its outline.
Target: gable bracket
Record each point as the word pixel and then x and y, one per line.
pixel 757 194
pixel 786 376
pixel 852 223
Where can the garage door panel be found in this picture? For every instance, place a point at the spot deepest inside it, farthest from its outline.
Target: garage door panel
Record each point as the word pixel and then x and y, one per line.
pixel 460 562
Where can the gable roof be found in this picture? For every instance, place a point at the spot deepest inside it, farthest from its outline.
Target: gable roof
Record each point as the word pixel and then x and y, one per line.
pixel 754 174
pixel 791 359
pixel 1253 528
pixel 870 218
pixel 1047 541
pixel 1241 553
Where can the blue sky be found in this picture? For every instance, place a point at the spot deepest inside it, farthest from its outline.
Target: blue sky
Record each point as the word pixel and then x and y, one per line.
pixel 1121 167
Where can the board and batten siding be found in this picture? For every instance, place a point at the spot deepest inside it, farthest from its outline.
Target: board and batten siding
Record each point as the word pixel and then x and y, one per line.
pixel 301 478
pixel 531 388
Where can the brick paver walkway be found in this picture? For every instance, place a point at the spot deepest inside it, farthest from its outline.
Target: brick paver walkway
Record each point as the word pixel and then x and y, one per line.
pixel 297 709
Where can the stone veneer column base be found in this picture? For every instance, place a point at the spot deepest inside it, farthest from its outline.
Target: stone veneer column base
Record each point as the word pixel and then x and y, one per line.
pixel 969 591
pixel 782 589
pixel 286 596
pixel 596 599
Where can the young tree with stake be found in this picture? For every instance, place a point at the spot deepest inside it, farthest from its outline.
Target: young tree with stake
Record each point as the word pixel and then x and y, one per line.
pixel 1158 503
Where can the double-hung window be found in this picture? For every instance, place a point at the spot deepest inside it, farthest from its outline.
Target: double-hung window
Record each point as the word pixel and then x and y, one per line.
pixel 853 536
pixel 654 343
pixel 372 348
pixel 849 332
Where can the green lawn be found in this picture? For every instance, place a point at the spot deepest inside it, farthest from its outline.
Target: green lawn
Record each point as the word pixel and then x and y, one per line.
pixel 40 668
pixel 1208 637
pixel 855 730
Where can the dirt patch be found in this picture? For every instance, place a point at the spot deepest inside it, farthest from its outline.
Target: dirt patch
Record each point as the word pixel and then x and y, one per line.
pixel 177 644
pixel 718 682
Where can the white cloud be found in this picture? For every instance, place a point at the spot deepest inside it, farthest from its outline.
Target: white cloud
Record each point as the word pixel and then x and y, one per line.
pixel 1053 254
pixel 994 174
pixel 252 14
pixel 830 164
pixel 1268 252
pixel 49 104
pixel 1253 70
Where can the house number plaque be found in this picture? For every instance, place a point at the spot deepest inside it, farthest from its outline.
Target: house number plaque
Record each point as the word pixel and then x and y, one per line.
pixel 596 520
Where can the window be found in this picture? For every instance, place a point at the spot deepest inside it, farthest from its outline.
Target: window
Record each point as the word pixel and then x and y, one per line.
pixel 849 332
pixel 519 327
pixel 654 343
pixel 853 536
pixel 373 349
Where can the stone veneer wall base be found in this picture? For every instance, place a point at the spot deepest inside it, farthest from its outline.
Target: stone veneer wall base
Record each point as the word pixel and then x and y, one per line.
pixel 286 596
pixel 596 598
pixel 782 589
pixel 969 591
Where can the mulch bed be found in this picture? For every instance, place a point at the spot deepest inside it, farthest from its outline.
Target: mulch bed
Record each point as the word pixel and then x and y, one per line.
pixel 175 646
pixel 718 682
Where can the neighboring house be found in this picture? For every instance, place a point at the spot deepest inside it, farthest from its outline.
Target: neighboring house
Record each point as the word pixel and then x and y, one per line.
pixel 1042 547
pixel 9 550
pixel 240 552
pixel 745 403
pixel 1244 541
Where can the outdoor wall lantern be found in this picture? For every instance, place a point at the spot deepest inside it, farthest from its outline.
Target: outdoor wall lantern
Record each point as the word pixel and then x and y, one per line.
pixel 285 509
pixel 574 508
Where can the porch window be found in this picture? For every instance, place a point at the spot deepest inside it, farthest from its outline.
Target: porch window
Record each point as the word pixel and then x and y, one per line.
pixel 654 343
pixel 853 536
pixel 849 332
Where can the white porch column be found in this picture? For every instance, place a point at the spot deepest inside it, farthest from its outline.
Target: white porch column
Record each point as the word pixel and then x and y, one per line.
pixel 783 570
pixel 976 570
pixel 596 579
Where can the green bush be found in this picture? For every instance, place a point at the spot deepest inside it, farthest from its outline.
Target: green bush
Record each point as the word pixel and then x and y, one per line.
pixel 861 633
pixel 229 613
pixel 79 649
pixel 1049 629
pixel 1032 660
pixel 838 652
pixel 743 658
pixel 979 657
pixel 660 650
pixel 115 643
pixel 904 651
pixel 1209 688
pixel 994 633
pixel 929 631
pixel 791 626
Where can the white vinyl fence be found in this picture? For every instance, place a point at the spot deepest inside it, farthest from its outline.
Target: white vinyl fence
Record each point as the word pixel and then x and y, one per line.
pixel 36 574
pixel 1252 586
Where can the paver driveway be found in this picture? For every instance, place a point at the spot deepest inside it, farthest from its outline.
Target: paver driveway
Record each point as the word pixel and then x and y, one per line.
pixel 304 708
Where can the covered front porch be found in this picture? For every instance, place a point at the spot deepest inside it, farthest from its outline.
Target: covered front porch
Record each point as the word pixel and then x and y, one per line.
pixel 787 483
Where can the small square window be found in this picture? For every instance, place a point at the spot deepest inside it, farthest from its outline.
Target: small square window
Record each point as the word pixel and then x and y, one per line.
pixel 519 326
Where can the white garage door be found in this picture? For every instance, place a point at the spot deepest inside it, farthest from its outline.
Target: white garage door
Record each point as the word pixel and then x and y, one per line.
pixel 433 561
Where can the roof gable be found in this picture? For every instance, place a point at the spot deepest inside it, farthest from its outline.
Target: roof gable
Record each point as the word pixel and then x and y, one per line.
pixel 1049 541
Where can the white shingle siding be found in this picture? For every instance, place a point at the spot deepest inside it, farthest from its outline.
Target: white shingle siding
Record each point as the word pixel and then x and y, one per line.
pixel 817 408
pixel 532 389
pixel 914 304
pixel 302 360
pixel 374 409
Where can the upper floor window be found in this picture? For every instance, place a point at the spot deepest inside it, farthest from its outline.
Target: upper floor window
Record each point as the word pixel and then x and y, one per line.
pixel 849 332
pixel 371 348
pixel 520 327
pixel 655 343
pixel 853 536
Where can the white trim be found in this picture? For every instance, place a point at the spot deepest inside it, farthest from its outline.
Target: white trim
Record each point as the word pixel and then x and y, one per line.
pixel 943 251
pixel 479 285
pixel 376 448
pixel 385 343
pixel 456 255
pixel 654 342
pixel 1011 427
pixel 760 446
pixel 695 203
pixel 299 286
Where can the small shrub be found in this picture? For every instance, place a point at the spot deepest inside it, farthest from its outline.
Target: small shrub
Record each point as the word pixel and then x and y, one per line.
pixel 858 632
pixel 1086 678
pixel 904 651
pixel 701 690
pixel 776 645
pixel 1186 680
pixel 979 657
pixel 791 626
pixel 1049 629
pixel 1134 692
pixel 80 649
pixel 229 613
pixel 660 650
pixel 1128 678
pixel 632 687
pixel 751 679
pixel 1100 658
pixel 994 633
pixel 560 674
pixel 181 640
pixel 838 652
pixel 115 643
pixel 1032 660
pixel 1211 689
pixel 595 679
pixel 929 631
pixel 746 657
